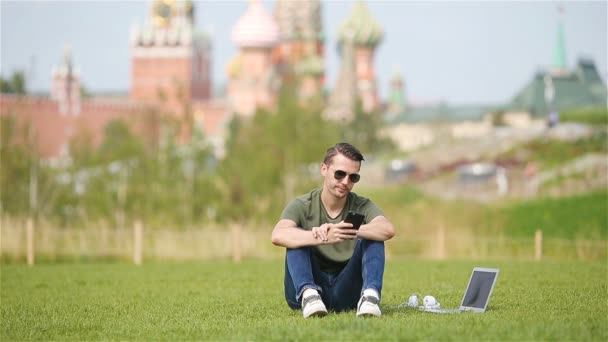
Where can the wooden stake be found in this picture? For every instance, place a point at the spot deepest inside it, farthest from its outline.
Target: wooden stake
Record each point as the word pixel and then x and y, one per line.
pixel 138 244
pixel 236 243
pixel 29 232
pixel 538 245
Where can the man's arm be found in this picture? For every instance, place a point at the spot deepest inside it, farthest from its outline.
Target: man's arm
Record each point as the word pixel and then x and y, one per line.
pixel 287 234
pixel 379 229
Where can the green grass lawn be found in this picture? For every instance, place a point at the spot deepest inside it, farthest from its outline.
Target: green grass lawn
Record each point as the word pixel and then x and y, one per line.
pixel 224 301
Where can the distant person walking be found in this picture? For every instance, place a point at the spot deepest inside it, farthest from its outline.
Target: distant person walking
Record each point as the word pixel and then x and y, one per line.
pixel 553 119
pixel 328 264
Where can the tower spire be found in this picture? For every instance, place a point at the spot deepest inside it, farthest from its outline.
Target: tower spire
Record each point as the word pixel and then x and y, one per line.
pixel 559 54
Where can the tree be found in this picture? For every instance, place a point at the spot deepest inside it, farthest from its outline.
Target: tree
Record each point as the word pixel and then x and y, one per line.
pixel 26 185
pixel 119 143
pixel 267 158
pixel 97 180
pixel 16 159
pixel 14 85
pixel 363 131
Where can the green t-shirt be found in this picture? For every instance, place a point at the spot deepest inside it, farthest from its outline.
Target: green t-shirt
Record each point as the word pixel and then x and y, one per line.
pixel 307 211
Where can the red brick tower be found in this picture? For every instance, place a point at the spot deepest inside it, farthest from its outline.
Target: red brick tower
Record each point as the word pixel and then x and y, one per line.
pixel 171 62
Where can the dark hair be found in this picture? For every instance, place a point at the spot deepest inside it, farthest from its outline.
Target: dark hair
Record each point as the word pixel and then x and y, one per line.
pixel 346 149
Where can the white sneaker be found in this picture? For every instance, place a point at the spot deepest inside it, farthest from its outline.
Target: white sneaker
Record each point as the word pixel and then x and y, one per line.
pixel 312 306
pixel 368 306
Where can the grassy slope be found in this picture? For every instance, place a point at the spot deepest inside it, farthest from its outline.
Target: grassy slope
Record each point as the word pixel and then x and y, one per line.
pixel 222 301
pixel 553 153
pixel 582 216
pixel 592 116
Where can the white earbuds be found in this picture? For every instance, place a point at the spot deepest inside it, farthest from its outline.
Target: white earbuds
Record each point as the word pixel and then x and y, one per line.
pixel 428 302
pixel 413 300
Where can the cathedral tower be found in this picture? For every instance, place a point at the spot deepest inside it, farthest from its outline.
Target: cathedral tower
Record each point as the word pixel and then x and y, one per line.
pixel 65 88
pixel 358 38
pixel 301 33
pixel 253 80
pixel 170 60
pixel 365 33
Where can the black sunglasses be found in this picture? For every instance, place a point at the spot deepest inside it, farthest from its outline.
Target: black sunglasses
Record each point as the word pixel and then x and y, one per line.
pixel 353 177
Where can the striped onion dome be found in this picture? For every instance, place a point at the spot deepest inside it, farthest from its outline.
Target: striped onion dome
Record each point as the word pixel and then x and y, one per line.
pixel 256 28
pixel 361 28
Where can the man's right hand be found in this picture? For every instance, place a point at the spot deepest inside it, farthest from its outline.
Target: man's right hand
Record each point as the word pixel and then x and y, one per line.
pixel 338 232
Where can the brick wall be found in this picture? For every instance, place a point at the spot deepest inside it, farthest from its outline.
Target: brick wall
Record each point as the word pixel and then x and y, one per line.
pixel 51 131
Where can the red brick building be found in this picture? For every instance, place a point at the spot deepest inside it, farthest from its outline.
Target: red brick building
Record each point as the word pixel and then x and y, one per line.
pixel 170 75
pixel 170 60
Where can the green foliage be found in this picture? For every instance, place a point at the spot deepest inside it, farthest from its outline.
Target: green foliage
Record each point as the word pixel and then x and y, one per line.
pixel 363 130
pixel 26 183
pixel 582 216
pixel 265 157
pixel 15 84
pixel 592 116
pixel 94 183
pixel 119 181
pixel 392 198
pixel 17 159
pixel 270 159
pixel 225 301
pixel 119 143
pixel 165 185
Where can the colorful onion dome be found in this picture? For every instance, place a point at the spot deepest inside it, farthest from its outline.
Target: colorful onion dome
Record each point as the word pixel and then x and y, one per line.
pixel 361 28
pixel 256 28
pixel 299 19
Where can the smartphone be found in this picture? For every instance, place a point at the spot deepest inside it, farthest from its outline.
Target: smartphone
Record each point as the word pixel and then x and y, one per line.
pixel 355 218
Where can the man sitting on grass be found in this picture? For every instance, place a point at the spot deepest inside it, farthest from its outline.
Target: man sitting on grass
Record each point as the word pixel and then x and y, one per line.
pixel 328 263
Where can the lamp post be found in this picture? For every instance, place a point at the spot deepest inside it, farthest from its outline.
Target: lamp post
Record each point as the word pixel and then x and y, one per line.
pixel 552 118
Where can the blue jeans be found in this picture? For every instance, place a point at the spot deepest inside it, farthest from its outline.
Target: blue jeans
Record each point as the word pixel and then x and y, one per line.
pixel 340 291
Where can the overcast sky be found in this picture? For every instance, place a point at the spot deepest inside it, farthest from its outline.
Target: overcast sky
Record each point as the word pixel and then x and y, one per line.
pixel 462 52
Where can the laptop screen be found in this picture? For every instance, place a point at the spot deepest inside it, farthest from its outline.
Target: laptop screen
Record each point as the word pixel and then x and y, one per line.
pixel 480 289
